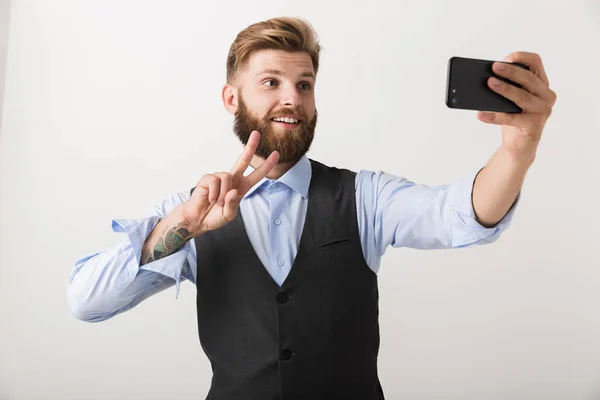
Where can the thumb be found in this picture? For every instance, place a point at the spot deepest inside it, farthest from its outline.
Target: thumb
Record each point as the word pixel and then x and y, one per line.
pixel 232 200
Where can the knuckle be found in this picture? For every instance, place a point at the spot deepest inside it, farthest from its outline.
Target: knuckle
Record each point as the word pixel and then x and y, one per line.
pixel 207 179
pixel 225 177
pixel 525 95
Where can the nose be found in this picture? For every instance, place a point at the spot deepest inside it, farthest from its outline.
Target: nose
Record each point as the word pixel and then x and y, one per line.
pixel 290 97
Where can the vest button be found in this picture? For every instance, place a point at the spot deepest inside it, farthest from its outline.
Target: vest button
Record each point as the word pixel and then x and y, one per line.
pixel 281 298
pixel 286 355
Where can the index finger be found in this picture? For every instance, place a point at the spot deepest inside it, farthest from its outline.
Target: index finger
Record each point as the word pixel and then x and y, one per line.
pixel 533 61
pixel 245 158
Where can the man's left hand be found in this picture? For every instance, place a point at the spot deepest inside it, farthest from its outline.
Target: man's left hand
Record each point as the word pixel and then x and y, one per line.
pixel 521 132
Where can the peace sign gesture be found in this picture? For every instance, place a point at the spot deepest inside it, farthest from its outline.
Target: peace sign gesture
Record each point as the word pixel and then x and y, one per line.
pixel 215 199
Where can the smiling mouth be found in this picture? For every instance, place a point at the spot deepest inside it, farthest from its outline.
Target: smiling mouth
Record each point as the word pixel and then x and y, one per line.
pixel 286 121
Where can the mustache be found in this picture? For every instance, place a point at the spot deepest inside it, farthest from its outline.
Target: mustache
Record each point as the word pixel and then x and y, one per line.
pixel 287 111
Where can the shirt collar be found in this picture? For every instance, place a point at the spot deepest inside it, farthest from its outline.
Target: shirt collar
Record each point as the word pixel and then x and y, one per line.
pixel 296 178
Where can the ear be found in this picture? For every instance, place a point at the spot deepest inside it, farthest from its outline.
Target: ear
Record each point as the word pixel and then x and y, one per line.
pixel 229 95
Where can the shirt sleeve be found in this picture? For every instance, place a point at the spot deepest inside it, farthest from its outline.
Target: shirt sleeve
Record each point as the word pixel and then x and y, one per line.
pixel 394 211
pixel 105 283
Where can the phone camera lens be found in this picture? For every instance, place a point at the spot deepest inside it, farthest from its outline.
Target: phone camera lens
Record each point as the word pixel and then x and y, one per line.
pixel 454 100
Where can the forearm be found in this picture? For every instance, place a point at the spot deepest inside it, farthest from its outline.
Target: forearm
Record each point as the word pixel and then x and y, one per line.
pixel 169 235
pixel 497 186
pixel 97 290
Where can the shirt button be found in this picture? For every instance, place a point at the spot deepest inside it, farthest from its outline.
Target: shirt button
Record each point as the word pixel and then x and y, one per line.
pixel 281 298
pixel 286 354
pixel 280 263
pixel 277 221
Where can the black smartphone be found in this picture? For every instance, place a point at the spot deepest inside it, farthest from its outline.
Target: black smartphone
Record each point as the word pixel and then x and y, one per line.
pixel 467 87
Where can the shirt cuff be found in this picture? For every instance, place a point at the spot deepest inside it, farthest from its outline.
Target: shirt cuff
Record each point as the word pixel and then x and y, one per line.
pixel 171 266
pixel 466 230
pixel 137 232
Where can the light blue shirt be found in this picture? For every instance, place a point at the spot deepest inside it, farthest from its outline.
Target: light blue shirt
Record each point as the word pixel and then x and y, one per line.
pixel 391 210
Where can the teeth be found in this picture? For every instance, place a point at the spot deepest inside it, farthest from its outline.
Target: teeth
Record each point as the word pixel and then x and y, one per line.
pixel 286 119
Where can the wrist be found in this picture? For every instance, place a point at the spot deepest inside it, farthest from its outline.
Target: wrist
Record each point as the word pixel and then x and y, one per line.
pixel 521 159
pixel 187 221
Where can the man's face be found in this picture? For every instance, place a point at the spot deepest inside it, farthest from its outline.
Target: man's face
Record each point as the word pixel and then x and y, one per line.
pixel 276 97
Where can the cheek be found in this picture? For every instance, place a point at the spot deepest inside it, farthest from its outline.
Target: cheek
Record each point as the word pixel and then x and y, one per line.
pixel 310 111
pixel 261 106
pixel 309 104
pixel 259 112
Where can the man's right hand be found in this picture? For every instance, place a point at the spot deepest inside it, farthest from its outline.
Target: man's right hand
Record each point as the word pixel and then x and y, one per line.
pixel 215 200
pixel 212 205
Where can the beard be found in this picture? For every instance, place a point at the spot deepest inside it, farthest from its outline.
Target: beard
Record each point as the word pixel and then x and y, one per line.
pixel 292 144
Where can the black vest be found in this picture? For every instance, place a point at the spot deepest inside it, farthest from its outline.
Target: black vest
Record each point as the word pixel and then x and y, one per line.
pixel 316 336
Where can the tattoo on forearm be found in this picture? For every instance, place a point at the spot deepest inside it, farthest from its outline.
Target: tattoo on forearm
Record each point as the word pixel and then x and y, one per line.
pixel 168 243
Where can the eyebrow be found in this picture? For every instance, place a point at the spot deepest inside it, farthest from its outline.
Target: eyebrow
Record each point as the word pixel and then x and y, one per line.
pixel 306 74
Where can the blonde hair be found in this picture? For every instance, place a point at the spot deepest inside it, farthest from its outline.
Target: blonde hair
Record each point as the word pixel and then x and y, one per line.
pixel 283 33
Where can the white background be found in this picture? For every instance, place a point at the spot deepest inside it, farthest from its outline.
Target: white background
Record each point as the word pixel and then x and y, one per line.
pixel 4 17
pixel 111 106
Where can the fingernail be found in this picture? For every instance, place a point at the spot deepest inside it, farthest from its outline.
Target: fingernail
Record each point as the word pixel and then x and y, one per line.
pixel 500 66
pixel 495 81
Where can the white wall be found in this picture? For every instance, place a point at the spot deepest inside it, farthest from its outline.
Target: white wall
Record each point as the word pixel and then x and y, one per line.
pixel 4 17
pixel 112 106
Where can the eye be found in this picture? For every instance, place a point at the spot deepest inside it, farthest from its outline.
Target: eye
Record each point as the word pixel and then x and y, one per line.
pixel 268 81
pixel 305 86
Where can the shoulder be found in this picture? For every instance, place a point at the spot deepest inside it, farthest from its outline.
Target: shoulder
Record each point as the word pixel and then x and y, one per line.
pixel 320 167
pixel 365 178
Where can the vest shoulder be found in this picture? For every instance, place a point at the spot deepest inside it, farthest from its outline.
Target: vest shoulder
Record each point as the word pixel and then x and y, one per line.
pixel 330 168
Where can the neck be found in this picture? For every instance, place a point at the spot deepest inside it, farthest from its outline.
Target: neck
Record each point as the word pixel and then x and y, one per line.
pixel 278 170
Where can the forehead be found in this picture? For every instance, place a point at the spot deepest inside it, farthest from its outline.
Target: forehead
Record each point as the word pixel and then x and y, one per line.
pixel 287 63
